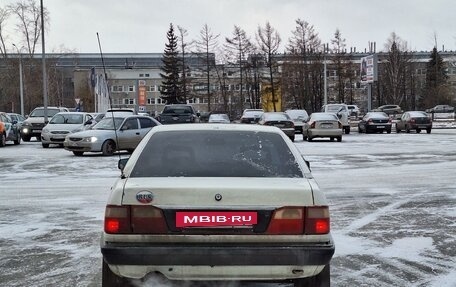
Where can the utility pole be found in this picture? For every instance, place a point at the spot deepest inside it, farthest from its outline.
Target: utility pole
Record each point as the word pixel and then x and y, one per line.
pixel 325 50
pixel 21 85
pixel 43 63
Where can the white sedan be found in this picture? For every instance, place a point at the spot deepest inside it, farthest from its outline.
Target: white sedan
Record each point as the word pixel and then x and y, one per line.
pixel 323 125
pixel 216 202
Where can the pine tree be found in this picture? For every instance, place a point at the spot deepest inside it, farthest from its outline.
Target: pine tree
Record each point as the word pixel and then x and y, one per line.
pixel 170 88
pixel 436 89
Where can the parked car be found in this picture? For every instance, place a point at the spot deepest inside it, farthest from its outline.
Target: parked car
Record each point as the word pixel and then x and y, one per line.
pixel 389 110
pixel 178 114
pixel 323 125
pixel 18 118
pixel 223 202
pixel 219 118
pixel 414 120
pixel 342 112
pixel 251 116
pixel 97 116
pixel 9 130
pixel 63 124
pixel 299 117
pixel 280 120
pixel 120 112
pixel 353 111
pixel 375 122
pixel 34 123
pixel 111 134
pixel 441 109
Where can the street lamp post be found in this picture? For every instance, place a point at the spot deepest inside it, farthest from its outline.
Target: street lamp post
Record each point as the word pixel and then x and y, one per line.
pixel 21 85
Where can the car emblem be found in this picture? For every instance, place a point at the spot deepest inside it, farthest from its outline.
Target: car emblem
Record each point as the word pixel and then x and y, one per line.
pixel 218 197
pixel 144 196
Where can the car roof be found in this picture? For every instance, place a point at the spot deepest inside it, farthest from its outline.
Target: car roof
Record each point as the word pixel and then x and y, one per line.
pixel 220 127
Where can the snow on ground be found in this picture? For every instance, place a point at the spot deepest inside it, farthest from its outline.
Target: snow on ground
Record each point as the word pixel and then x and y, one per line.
pixel 392 200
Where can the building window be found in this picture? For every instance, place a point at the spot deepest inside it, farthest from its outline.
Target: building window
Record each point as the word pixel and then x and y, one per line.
pixel 151 88
pixel 141 75
pixel 117 89
pixel 131 88
pixel 159 101
pixel 151 101
pixel 147 75
pixel 129 101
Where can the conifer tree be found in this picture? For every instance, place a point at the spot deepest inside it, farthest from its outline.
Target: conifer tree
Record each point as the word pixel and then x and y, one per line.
pixel 436 89
pixel 170 88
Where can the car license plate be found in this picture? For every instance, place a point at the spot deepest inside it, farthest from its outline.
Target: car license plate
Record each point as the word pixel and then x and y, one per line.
pixel 215 218
pixel 326 126
pixel 380 127
pixel 422 127
pixel 36 131
pixel 280 125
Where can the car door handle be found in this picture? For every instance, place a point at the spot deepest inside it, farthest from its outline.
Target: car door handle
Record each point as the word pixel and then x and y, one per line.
pixel 137 134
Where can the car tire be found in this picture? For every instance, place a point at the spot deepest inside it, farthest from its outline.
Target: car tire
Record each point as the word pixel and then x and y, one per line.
pixel 339 139
pixel 18 140
pixel 398 130
pixel 2 140
pixel 407 129
pixel 26 138
pixel 45 145
pixel 110 279
pixel 38 138
pixel 428 131
pixel 347 130
pixel 388 131
pixel 418 131
pixel 108 147
pixel 309 139
pixel 331 139
pixel 292 138
pixel 78 153
pixel 320 280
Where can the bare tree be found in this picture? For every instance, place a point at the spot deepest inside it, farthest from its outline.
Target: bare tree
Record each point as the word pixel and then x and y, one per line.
pixel 185 69
pixel 304 46
pixel 238 48
pixel 29 26
pixel 206 44
pixel 395 70
pixel 4 14
pixel 339 62
pixel 268 40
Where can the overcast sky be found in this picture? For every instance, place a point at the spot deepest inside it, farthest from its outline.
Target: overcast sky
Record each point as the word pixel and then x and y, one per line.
pixel 136 26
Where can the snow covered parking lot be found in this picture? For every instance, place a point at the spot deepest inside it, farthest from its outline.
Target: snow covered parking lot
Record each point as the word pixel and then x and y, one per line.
pixel 392 201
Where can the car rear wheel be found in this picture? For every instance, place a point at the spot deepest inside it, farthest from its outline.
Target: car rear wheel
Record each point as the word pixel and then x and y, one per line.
pixel 108 147
pixel 17 140
pixel 309 139
pixel 320 280
pixel 347 130
pixel 2 140
pixel 331 139
pixel 45 145
pixel 78 153
pixel 428 131
pixel 407 129
pixel 388 131
pixel 418 131
pixel 339 139
pixel 110 279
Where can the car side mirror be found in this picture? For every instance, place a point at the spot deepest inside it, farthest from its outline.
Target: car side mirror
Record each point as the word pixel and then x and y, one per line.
pixel 307 162
pixel 122 163
pixel 89 122
pixel 198 114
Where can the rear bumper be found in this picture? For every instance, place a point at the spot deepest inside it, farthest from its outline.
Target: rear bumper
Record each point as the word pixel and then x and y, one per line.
pixel 216 255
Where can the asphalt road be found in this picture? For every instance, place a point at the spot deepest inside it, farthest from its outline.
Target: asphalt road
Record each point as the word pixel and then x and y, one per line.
pixel 392 201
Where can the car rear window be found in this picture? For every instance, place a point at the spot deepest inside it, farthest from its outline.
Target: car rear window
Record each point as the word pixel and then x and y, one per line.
pixel 212 153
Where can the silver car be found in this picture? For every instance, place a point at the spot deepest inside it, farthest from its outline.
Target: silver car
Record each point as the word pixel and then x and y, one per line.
pixel 299 117
pixel 323 125
pixel 219 118
pixel 216 202
pixel 111 134
pixel 280 120
pixel 63 124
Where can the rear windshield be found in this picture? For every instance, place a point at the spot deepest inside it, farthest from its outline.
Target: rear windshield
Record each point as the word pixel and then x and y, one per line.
pixel 40 112
pixel 214 153
pixel 178 110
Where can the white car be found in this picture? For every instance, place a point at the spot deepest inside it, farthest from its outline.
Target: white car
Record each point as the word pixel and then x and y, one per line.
pixel 299 118
pixel 219 118
pixel 342 112
pixel 63 124
pixel 216 202
pixel 323 125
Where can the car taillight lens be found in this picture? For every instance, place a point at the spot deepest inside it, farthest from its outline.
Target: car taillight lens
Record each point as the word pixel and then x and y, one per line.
pixel 317 220
pixel 117 219
pixel 340 125
pixel 148 220
pixel 312 126
pixel 300 220
pixel 412 121
pixel 369 122
pixel 287 220
pixel 134 220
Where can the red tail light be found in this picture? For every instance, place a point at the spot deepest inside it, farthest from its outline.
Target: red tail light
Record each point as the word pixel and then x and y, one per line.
pixel 287 220
pixel 300 220
pixel 369 122
pixel 312 126
pixel 340 125
pixel 317 220
pixel 134 220
pixel 412 120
